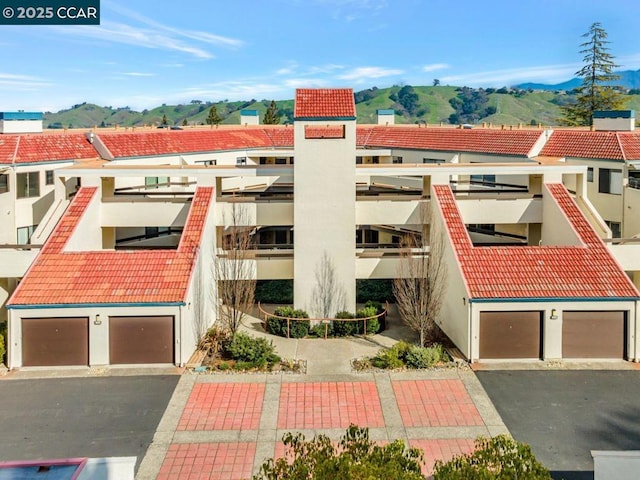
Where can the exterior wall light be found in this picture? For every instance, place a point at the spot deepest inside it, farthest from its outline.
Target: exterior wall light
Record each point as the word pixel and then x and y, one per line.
pixel 554 314
pixel 98 320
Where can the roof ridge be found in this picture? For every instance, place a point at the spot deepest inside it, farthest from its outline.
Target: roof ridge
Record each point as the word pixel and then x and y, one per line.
pixel 624 155
pixel 15 151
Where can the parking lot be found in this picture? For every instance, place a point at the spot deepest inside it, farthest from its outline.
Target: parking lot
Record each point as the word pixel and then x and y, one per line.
pixel 81 417
pixel 564 415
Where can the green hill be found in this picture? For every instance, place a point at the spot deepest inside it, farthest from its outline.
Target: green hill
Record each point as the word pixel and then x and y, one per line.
pixel 420 104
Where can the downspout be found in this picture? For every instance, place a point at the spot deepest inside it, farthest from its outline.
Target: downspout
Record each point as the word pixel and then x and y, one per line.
pixel 178 343
pixel 470 323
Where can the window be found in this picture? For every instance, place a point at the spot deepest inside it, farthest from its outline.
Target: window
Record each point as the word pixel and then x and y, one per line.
pixel 615 228
pixel 24 234
pixel 4 183
pixel 155 182
pixel 210 163
pixel 358 160
pixel 484 179
pixel 634 180
pixel 375 159
pixel 28 185
pixel 241 160
pixel 48 177
pixel 435 161
pixel 397 160
pixel 590 174
pixel 610 181
pixel 281 161
pixel 263 160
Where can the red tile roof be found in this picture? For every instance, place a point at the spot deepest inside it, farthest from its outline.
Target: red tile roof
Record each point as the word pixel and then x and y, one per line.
pixel 583 144
pixel 58 277
pixel 142 144
pixel 324 103
pixel 280 136
pixel 529 272
pixel 44 148
pixel 630 143
pixel 480 140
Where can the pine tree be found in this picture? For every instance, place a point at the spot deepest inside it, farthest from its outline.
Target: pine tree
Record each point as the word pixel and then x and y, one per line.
pixel 596 91
pixel 213 118
pixel 271 116
pixel 185 122
pixel 164 120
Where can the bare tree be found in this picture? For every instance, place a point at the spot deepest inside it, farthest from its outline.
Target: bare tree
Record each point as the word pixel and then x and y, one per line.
pixel 234 269
pixel 422 276
pixel 328 295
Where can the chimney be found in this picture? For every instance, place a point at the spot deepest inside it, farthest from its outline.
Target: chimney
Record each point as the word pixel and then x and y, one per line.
pixel 386 116
pixel 249 117
pixel 614 120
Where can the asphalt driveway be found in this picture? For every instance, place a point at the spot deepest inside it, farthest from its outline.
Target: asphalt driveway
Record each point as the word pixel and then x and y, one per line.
pixel 81 417
pixel 564 415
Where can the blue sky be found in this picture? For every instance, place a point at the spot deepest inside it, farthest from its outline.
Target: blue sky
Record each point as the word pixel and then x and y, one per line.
pixel 149 52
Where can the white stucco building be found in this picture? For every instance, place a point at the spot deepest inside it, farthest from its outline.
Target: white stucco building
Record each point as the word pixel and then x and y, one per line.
pixel 122 254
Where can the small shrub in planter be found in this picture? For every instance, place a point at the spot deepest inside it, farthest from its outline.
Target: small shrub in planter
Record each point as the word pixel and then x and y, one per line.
pixel 297 329
pixel 344 329
pixel 245 348
pixel 319 329
pixel 387 359
pixel 382 320
pixel 423 357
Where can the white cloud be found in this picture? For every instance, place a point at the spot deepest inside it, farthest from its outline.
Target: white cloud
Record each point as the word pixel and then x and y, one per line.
pixel 22 83
pixel 150 34
pixel 362 74
pixel 293 83
pixel 138 74
pixel 435 66
pixel 498 78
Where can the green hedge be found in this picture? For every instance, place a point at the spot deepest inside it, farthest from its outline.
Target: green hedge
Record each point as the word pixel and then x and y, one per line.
pixel 274 291
pixel 379 290
pixel 297 329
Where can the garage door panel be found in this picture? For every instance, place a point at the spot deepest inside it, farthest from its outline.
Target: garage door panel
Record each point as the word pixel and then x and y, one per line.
pixel 510 335
pixel 135 340
pixel 593 334
pixel 55 341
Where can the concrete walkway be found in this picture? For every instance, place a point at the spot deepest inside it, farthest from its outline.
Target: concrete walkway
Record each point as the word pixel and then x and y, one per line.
pixel 223 426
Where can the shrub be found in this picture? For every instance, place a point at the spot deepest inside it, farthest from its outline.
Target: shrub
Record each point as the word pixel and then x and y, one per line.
pixel 356 456
pixel 2 348
pixel 274 291
pixel 319 329
pixel 423 357
pixel 255 351
pixel 297 329
pixel 373 325
pixel 344 329
pixel 393 357
pixel 493 458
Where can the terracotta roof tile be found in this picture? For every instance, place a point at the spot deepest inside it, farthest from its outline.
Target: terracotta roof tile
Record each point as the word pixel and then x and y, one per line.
pixel 630 143
pixel 8 146
pixel 583 144
pixel 481 140
pixel 496 272
pixel 324 103
pixel 280 136
pixel 157 276
pixel 142 144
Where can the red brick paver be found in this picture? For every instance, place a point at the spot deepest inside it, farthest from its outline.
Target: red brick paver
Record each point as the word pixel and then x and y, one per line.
pixel 435 403
pixel 329 405
pixel 210 461
pixel 441 449
pixel 223 406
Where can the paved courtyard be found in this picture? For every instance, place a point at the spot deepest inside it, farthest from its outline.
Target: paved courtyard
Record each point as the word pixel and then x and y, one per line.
pixel 225 426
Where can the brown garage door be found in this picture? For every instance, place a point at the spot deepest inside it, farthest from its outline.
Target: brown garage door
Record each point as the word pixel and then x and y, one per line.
pixel 510 334
pixel 140 340
pixel 593 334
pixel 55 341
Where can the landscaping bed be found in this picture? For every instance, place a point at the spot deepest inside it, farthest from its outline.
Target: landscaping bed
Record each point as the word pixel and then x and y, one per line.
pixel 225 352
pixel 405 356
